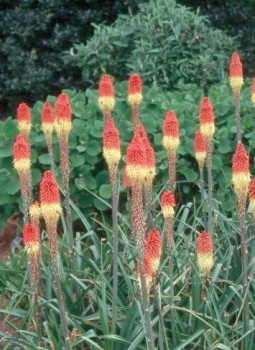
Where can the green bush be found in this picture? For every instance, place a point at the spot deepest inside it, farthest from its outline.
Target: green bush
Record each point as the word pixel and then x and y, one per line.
pixel 34 36
pixel 164 42
pixel 89 175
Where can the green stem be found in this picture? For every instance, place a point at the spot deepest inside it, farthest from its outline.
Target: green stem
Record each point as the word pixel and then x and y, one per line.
pixel 172 170
pixel 242 204
pixel 115 231
pixel 135 116
pixel 171 279
pixel 139 227
pixel 61 304
pixel 158 307
pixel 237 113
pixel 202 190
pixel 210 187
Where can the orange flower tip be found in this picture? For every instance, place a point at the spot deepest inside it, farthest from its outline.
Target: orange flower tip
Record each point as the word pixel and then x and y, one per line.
pixel 136 160
pixel 240 171
pixel 168 204
pixel 111 144
pixel 200 148
pixel 236 72
pixel 152 248
pixel 106 98
pixel 63 116
pixel 205 252
pixel 47 119
pixel 31 239
pixel 21 155
pixel 171 139
pixel 252 197
pixel 49 192
pixel 150 155
pixel 135 90
pixel 252 190
pixel 35 211
pixel 24 119
pixel 206 118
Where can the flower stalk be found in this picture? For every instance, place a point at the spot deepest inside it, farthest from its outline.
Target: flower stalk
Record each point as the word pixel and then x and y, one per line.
pixel 236 83
pixel 63 126
pixel 241 180
pixel 51 210
pixel 48 128
pixel 207 130
pixel 171 143
pixel 22 164
pixel 135 98
pixel 112 155
pixel 136 172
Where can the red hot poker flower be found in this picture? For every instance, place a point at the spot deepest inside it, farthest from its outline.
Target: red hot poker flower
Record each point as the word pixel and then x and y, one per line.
pixel 50 199
pixel 236 73
pixel 24 119
pixel 167 204
pixel 135 90
pixel 47 119
pixel 136 160
pixel 206 118
pixel 63 116
pixel 204 252
pixel 111 144
pixel 152 249
pixel 150 155
pixel 240 171
pixel 31 239
pixel 171 139
pixel 200 149
pixel 21 155
pixel 106 95
pixel 252 197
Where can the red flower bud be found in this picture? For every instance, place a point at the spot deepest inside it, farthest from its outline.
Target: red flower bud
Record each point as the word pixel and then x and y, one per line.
pixel 135 90
pixel 204 252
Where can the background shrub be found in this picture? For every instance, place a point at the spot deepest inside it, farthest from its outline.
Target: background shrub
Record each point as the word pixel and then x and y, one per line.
pixel 237 19
pixel 89 176
pixel 164 42
pixel 34 35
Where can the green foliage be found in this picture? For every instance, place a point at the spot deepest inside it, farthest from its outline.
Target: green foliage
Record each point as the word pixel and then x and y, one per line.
pixel 88 170
pixel 209 322
pixel 164 42
pixel 236 18
pixel 34 35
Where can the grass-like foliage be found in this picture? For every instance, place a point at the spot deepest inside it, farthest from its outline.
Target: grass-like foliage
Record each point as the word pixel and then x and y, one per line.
pixel 102 290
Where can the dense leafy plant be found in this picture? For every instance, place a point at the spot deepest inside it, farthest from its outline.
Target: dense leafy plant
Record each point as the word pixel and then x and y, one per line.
pixel 237 19
pixel 89 178
pixel 34 35
pixel 164 41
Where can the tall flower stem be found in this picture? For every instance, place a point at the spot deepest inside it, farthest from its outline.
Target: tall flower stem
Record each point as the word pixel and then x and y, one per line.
pixel 202 190
pixel 65 170
pixel 210 187
pixel 115 231
pixel 237 114
pixel 242 205
pixel 139 227
pixel 169 234
pixel 158 307
pixel 61 304
pixel 172 170
pixel 135 115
